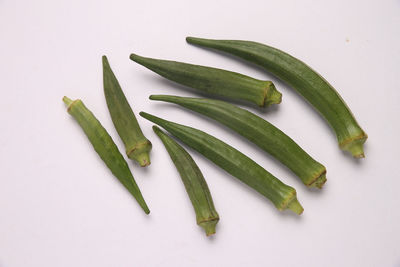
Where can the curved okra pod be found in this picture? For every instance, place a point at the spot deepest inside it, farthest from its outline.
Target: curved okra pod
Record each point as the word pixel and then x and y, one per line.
pixel 233 162
pixel 214 81
pixel 136 145
pixel 312 86
pixel 195 184
pixel 260 132
pixel 105 147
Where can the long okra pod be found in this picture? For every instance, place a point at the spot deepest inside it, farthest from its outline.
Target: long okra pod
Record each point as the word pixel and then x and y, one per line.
pixel 214 81
pixel 233 162
pixel 260 132
pixel 105 147
pixel 312 86
pixel 136 144
pixel 195 184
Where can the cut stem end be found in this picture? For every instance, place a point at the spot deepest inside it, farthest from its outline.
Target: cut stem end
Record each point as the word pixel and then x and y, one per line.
pixel 295 206
pixel 140 153
pixel 356 150
pixel 319 182
pixel 272 96
pixel 355 146
pixel 67 101
pixel 209 226
pixel 143 159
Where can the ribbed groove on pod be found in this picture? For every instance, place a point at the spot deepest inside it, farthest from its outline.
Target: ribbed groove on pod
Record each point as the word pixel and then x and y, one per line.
pixel 214 81
pixel 308 83
pixel 233 162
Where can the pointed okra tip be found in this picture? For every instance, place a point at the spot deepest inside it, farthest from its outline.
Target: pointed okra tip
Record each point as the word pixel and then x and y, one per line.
pixel 154 97
pixel 189 39
pixel 144 61
pixel 135 57
pixel 160 133
pixel 144 114
pixel 166 98
pixel 105 62
pixel 155 119
pixel 149 117
pixel 157 130
pixel 194 40
pixel 145 208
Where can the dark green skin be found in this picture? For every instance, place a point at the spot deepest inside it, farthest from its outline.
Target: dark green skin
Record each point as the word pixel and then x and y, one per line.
pixel 312 86
pixel 234 162
pixel 136 144
pixel 105 148
pixel 258 131
pixel 214 81
pixel 195 184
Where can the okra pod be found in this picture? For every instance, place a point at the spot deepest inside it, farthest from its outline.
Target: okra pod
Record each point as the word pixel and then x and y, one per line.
pixel 258 131
pixel 214 81
pixel 195 184
pixel 105 147
pixel 233 162
pixel 312 86
pixel 136 144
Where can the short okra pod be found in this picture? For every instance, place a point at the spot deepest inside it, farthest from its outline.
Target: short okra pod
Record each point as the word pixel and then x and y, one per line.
pixel 136 144
pixel 233 162
pixel 105 147
pixel 214 81
pixel 195 184
pixel 258 131
pixel 308 83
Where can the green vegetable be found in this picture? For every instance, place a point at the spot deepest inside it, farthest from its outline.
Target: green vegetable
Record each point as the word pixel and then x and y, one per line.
pixel 318 92
pixel 260 132
pixel 234 162
pixel 105 147
pixel 136 145
pixel 214 81
pixel 195 184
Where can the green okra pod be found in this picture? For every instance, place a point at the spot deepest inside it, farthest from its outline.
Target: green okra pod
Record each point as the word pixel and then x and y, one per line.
pixel 258 131
pixel 233 162
pixel 214 81
pixel 105 147
pixel 195 184
pixel 136 144
pixel 312 86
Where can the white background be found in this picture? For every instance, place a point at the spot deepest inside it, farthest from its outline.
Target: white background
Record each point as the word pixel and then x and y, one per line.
pixel 59 204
